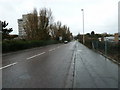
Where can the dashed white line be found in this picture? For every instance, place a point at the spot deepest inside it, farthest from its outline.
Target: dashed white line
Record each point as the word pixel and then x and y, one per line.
pixel 8 65
pixel 79 50
pixel 36 55
pixel 29 58
pixel 58 47
pixel 114 61
pixel 52 49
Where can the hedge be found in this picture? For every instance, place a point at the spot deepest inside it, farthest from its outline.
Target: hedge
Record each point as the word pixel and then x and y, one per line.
pixel 15 45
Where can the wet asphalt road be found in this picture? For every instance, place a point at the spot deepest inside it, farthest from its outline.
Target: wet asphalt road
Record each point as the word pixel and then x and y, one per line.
pixel 69 65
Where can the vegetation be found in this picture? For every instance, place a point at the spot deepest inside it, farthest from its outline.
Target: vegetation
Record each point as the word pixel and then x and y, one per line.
pixel 42 27
pixel 6 31
pixel 40 30
pixel 15 45
pixel 92 42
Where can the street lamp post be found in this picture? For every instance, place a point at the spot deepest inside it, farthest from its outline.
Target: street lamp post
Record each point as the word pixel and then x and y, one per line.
pixel 105 48
pixel 83 26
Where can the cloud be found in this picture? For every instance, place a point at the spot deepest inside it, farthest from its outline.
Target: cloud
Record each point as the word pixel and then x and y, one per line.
pixel 100 15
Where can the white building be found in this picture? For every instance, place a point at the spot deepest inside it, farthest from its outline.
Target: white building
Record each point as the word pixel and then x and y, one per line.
pixel 0 30
pixel 0 26
pixel 21 22
pixel 109 39
pixel 119 20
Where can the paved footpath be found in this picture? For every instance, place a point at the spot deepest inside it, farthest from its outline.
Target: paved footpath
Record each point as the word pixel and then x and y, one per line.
pixel 93 71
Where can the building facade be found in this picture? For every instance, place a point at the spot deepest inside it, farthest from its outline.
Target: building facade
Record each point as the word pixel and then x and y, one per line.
pixel 0 26
pixel 119 21
pixel 21 23
pixel 115 38
pixel 0 31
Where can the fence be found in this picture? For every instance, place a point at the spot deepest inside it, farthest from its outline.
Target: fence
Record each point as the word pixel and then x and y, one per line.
pixel 110 49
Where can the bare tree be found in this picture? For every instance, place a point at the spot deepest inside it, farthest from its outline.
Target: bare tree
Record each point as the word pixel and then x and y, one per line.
pixel 31 25
pixel 45 20
pixel 41 27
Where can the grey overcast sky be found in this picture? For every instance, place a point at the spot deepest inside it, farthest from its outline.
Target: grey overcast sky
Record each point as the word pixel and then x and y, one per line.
pixel 100 15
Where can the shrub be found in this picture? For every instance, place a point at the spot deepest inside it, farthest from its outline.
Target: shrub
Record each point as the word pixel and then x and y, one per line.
pixel 15 45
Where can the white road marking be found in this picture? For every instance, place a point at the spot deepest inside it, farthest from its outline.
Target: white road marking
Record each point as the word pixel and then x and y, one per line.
pixel 114 61
pixel 8 65
pixel 51 49
pixel 58 47
pixel 79 50
pixel 36 55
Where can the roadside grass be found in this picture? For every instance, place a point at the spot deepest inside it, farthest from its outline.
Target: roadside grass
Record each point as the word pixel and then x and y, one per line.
pixel 15 45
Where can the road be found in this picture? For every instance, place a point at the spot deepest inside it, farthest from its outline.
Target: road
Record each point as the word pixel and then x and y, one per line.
pixel 69 65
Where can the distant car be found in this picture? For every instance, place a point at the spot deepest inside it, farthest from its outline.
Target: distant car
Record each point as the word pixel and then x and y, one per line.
pixel 65 42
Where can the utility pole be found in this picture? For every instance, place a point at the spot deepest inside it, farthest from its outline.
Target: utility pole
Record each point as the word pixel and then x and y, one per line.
pixel 105 48
pixel 83 26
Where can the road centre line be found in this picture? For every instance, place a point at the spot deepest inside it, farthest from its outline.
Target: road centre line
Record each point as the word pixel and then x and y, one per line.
pixel 27 58
pixel 114 61
pixel 79 50
pixel 58 47
pixel 36 55
pixel 8 65
pixel 52 49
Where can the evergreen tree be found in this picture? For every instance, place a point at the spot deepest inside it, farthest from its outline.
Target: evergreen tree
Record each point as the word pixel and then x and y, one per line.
pixel 5 31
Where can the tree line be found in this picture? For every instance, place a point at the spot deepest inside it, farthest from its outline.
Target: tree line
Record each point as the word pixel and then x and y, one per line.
pixel 91 36
pixel 42 27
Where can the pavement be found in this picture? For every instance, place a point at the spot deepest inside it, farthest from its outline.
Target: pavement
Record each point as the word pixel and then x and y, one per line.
pixel 92 70
pixel 70 65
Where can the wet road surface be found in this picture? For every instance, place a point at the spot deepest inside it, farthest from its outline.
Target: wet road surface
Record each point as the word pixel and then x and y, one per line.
pixel 69 65
pixel 45 67
pixel 93 71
